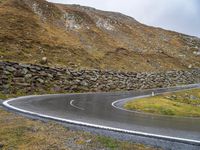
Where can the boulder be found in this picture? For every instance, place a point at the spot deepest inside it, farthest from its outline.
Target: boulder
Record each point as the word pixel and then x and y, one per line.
pixel 44 60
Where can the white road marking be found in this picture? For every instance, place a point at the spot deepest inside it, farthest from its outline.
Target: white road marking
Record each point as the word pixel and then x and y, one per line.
pixel 169 138
pixel 127 99
pixel 114 104
pixel 71 103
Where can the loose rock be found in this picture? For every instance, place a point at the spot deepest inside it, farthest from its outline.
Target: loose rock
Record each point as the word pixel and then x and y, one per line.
pixel 44 60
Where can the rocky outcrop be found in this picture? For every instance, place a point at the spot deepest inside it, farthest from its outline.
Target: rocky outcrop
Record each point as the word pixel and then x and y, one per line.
pixel 28 78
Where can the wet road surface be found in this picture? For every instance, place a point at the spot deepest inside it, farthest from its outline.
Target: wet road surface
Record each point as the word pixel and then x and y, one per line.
pixel 96 108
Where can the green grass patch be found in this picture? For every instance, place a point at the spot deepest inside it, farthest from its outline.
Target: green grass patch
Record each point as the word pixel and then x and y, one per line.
pixel 7 96
pixel 184 103
pixel 108 142
pixel 114 144
pixel 1 1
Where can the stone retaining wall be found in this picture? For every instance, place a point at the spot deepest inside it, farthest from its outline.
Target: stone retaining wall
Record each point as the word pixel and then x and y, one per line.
pixel 16 77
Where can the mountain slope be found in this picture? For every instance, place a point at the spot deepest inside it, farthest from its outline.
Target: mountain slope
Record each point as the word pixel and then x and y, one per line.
pixel 77 36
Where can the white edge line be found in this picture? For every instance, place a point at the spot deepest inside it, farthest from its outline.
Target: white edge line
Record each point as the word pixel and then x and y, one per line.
pixel 71 103
pixel 146 96
pixel 127 99
pixel 176 139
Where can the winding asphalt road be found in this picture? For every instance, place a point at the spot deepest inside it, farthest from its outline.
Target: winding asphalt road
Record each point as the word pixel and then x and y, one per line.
pixel 96 110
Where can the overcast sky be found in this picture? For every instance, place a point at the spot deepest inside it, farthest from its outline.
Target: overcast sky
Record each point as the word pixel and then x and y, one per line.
pixel 178 15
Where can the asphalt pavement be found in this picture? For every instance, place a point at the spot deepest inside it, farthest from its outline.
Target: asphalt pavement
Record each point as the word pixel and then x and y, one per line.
pixel 95 110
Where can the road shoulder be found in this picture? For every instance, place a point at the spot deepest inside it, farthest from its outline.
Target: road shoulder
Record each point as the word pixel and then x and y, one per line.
pixel 1 102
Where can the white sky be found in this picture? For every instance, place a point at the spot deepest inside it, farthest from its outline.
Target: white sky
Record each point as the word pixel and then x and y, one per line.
pixel 178 15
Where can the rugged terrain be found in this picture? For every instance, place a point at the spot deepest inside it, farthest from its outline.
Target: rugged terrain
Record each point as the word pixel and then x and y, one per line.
pixel 83 37
pixel 55 35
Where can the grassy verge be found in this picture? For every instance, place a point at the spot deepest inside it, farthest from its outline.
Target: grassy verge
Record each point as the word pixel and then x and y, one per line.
pixel 21 93
pixel 184 103
pixel 17 132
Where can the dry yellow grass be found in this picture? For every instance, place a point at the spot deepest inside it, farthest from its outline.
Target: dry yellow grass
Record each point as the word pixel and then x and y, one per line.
pixel 26 37
pixel 25 134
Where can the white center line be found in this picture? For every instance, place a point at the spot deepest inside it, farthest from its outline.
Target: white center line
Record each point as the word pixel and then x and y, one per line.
pixel 71 103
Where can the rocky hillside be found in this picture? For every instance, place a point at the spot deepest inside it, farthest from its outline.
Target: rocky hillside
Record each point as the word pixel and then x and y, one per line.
pixel 83 37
